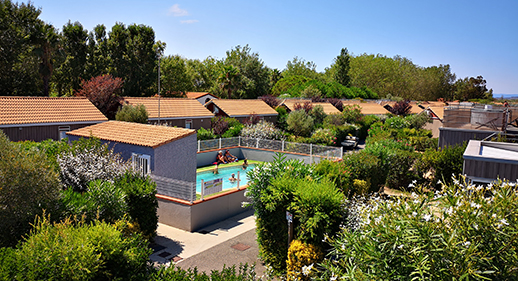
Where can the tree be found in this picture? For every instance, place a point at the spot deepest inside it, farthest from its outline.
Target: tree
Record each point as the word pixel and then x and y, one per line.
pixel 46 41
pixel 401 108
pixel 98 60
pixel 18 65
pixel 254 79
pixel 299 66
pixel 472 88
pixel 175 79
pixel 228 79
pixel 130 113
pixel 342 68
pixel 104 92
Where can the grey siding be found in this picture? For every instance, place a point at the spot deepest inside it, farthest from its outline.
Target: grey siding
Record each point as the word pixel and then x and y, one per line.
pixel 38 133
pixel 490 169
pixel 454 136
pixel 177 159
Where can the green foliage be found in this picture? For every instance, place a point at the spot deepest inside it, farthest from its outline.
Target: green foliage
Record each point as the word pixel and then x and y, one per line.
pixel 281 118
pixel 130 113
pixel 318 115
pixel 472 88
pixel 175 79
pixel 270 209
pixel 284 85
pixel 323 137
pixel 463 232
pixel 417 121
pixel 28 185
pixel 103 201
pixel 334 119
pixel 365 124
pixel 300 123
pixel 50 147
pixel 443 163
pixel 352 113
pixel 400 173
pixel 80 251
pixel 141 202
pixel 342 64
pixel 233 131
pixel 204 134
pixel 262 130
pixel 172 273
pixel 311 92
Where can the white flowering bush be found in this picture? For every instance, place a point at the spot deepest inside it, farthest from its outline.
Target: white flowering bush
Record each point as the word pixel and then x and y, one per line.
pixel 262 130
pixel 88 160
pixel 464 231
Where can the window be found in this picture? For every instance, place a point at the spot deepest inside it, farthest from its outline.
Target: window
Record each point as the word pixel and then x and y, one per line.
pixel 188 123
pixel 141 163
pixel 63 132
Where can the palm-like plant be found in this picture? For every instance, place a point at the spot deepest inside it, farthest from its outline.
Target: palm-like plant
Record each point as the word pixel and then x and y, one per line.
pixel 227 79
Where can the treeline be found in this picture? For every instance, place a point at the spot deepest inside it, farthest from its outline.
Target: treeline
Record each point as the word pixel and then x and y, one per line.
pixel 39 59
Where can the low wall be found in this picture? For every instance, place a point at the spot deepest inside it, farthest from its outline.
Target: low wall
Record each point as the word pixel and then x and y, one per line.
pixel 201 213
pixel 208 157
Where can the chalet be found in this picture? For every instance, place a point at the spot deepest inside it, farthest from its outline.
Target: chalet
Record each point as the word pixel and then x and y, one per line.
pixel 41 118
pixel 328 108
pixel 163 151
pixel 242 109
pixel 368 108
pixel 177 112
pixel 202 97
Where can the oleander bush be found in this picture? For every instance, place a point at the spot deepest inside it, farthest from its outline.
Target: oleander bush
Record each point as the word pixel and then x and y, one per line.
pixel 262 130
pixel 442 163
pixel 463 232
pixel 87 160
pixel 242 273
pixel 323 136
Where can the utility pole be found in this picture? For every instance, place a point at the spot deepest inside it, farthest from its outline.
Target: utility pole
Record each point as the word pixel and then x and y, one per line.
pixel 159 57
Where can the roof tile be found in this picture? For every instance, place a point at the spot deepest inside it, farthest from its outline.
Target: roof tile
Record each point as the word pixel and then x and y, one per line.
pixel 133 133
pixel 28 110
pixel 171 107
pixel 328 107
pixel 243 107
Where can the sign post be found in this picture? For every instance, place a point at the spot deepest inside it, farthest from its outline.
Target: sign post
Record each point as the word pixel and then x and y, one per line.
pixel 289 218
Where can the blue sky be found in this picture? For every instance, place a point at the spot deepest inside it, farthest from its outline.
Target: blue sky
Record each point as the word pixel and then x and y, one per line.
pixel 474 37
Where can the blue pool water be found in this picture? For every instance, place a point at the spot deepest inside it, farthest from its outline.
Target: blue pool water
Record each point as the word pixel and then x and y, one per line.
pixel 225 173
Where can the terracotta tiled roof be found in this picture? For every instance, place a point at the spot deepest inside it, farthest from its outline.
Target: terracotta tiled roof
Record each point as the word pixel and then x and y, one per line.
pixel 133 133
pixel 37 110
pixel 438 111
pixel 328 108
pixel 243 107
pixel 171 107
pixel 369 108
pixel 195 95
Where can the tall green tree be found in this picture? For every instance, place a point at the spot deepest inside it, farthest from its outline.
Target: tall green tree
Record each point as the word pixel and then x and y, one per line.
pixel 342 68
pixel 299 66
pixel 253 74
pixel 98 60
pixel 46 44
pixel 18 64
pixel 472 88
pixel 175 77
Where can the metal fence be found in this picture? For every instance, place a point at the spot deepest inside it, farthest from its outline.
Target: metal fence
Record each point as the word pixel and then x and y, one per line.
pixel 277 145
pixel 175 188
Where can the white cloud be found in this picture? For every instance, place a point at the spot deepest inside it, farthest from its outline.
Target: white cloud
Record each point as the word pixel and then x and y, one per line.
pixel 176 11
pixel 188 21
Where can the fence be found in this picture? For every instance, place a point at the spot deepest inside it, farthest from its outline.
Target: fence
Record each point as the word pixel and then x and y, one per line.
pixel 284 146
pixel 175 188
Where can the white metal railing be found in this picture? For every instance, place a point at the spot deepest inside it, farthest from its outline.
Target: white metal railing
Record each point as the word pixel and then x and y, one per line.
pixel 175 188
pixel 278 145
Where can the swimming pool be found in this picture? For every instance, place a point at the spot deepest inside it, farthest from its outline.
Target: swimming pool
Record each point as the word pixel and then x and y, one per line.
pixel 225 173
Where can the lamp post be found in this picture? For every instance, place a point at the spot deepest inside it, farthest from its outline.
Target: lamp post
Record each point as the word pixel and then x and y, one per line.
pixel 159 57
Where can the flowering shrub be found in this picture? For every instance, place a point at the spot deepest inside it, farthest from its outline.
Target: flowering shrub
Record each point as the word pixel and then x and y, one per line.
pixel 397 122
pixel 464 231
pixel 301 258
pixel 352 113
pixel 324 137
pixel 89 160
pixel 262 130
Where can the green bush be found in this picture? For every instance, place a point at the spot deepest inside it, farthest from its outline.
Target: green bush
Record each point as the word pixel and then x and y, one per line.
pixel 300 123
pixel 80 251
pixel 323 137
pixel 342 131
pixel 365 124
pixel 103 201
pixel 270 211
pixel 334 119
pixel 352 113
pixel 281 118
pixel 204 134
pixel 417 121
pixel 443 163
pixel 50 147
pixel 318 115
pixel 233 131
pixel 130 113
pixel 464 232
pixel 141 201
pixel 400 175
pixel 28 185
